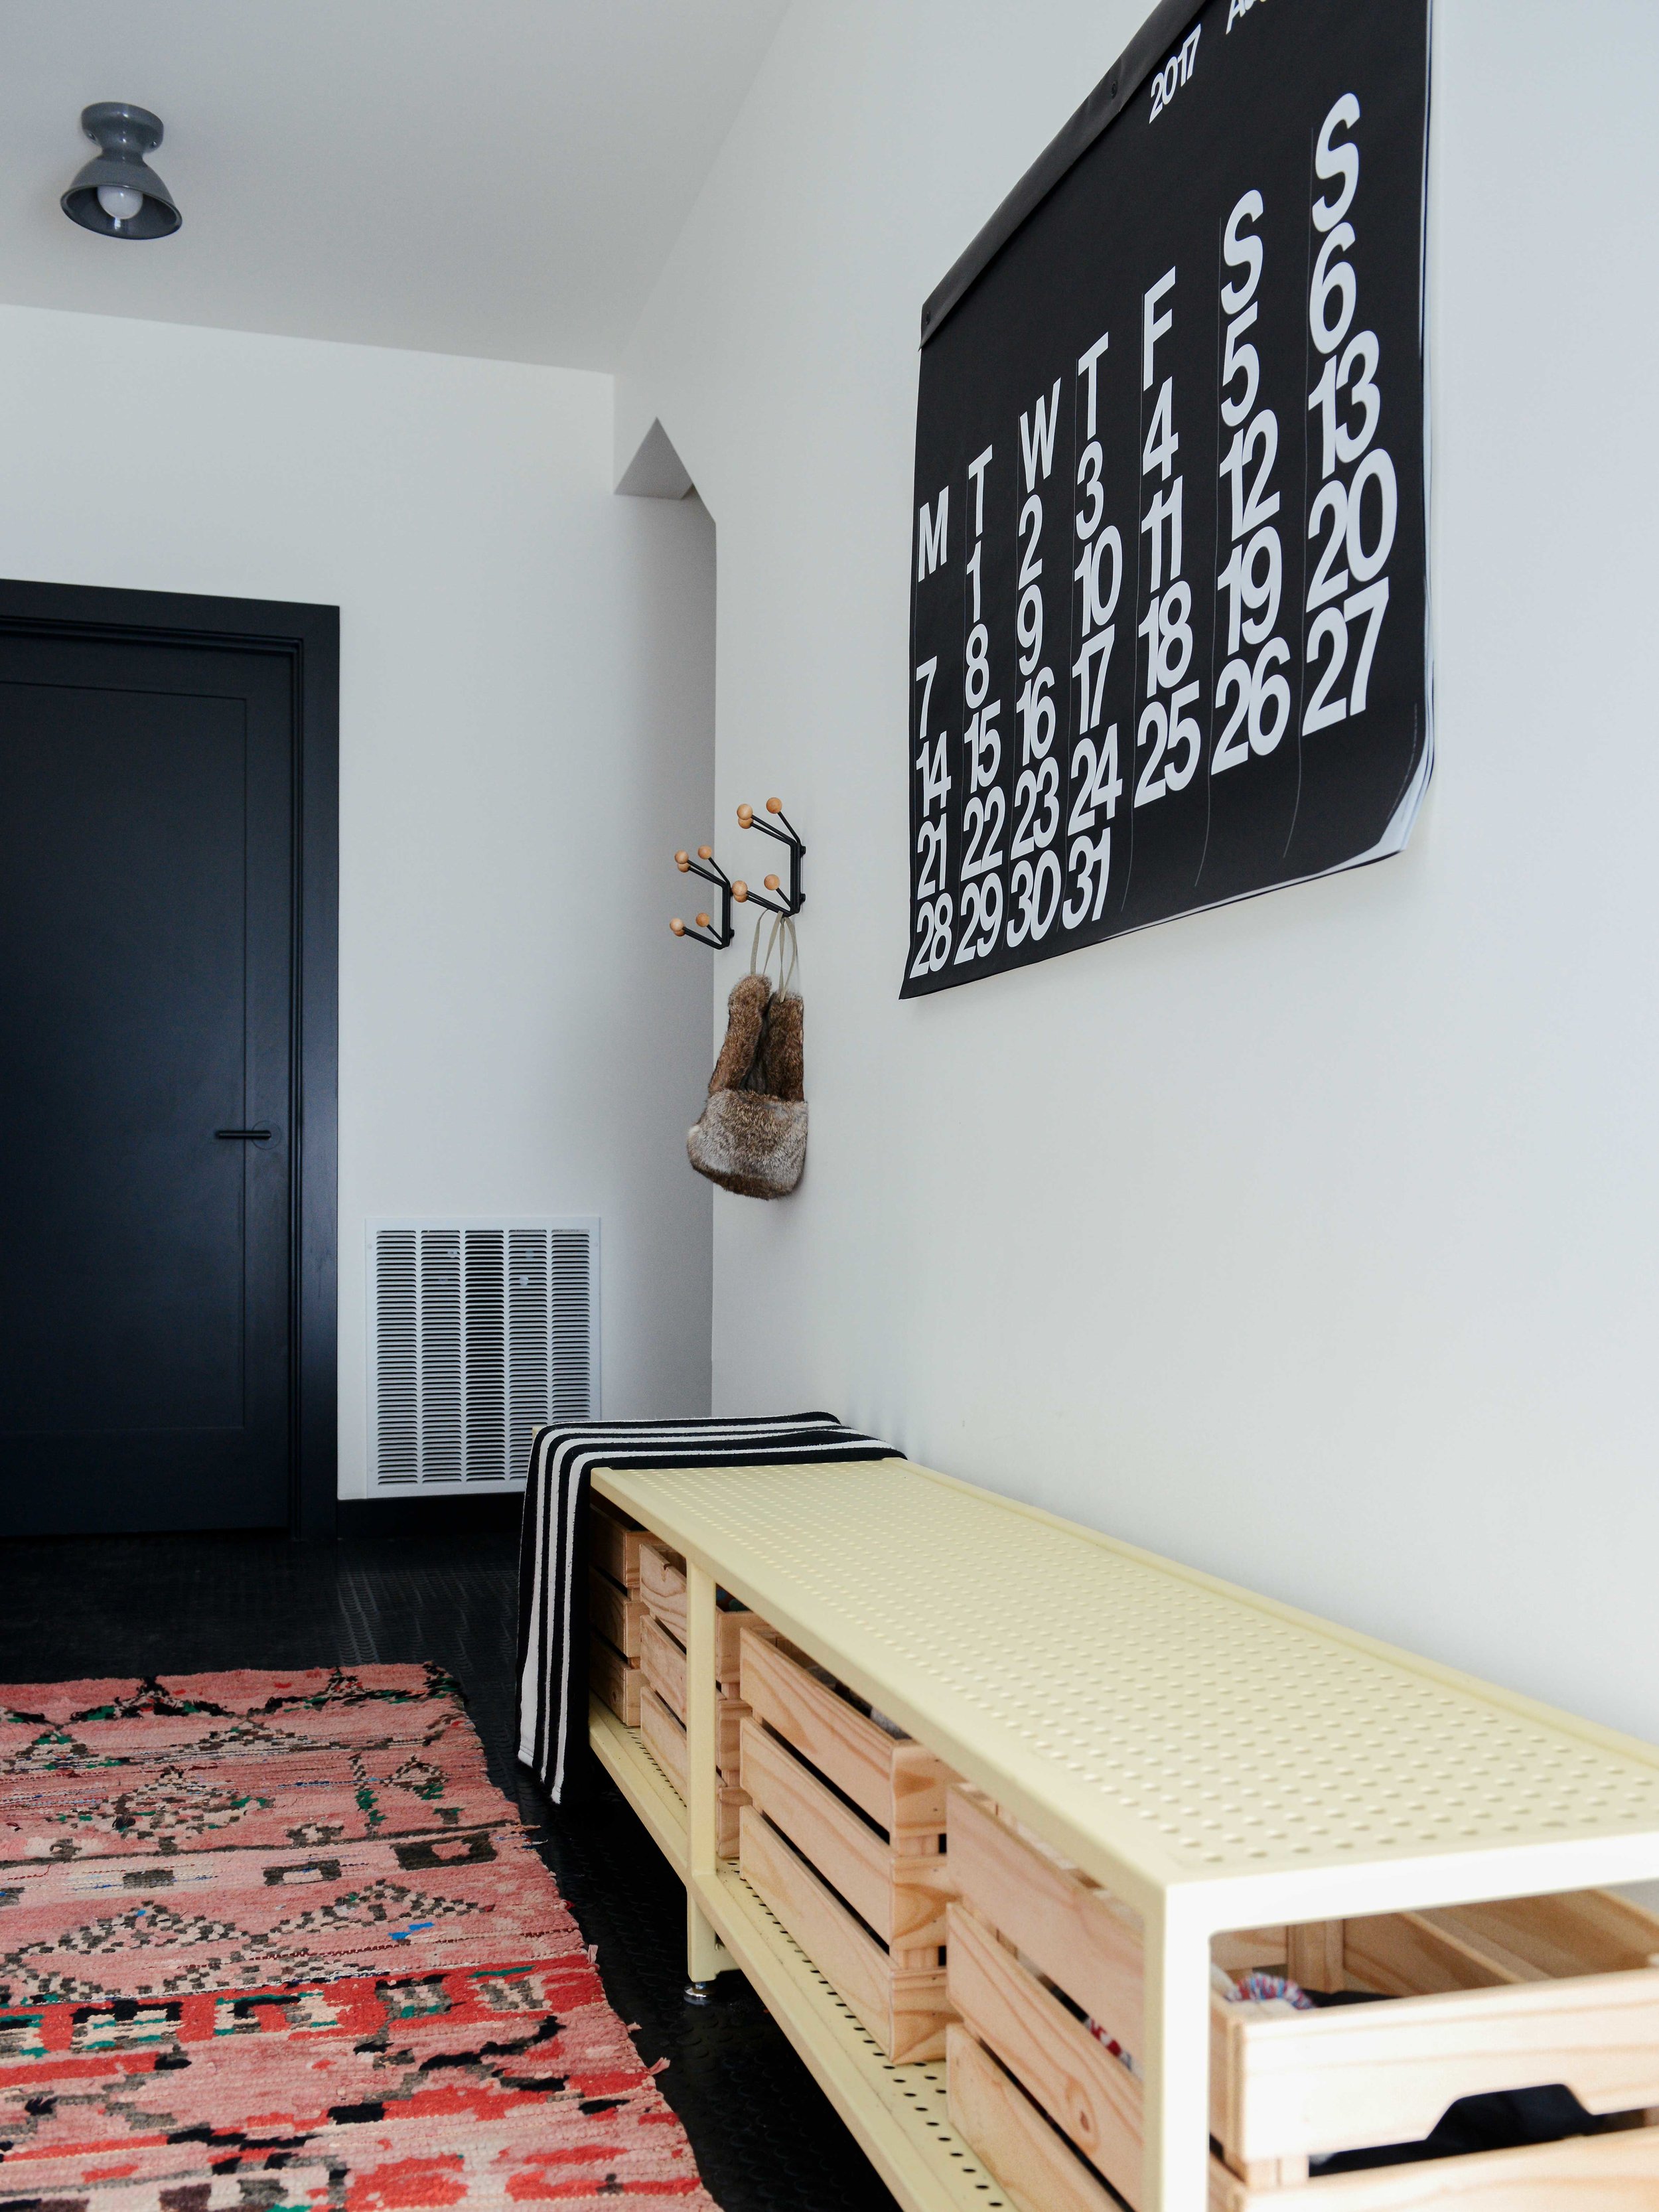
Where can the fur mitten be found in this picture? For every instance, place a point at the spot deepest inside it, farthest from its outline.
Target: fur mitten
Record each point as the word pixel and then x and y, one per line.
pixel 745 1020
pixel 780 1065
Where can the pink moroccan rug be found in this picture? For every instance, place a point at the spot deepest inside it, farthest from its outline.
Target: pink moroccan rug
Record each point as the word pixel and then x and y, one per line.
pixel 274 1941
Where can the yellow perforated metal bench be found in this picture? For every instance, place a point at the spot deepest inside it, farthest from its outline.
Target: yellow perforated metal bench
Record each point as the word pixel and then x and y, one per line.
pixel 1217 1762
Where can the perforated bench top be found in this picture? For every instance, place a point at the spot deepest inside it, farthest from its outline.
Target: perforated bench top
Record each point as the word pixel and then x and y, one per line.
pixel 1158 1723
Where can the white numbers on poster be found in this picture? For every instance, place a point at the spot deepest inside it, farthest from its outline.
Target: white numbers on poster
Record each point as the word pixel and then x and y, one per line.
pixel 1353 515
pixel 985 808
pixel 1252 697
pixel 1034 886
pixel 935 908
pixel 1174 72
pixel 935 905
pixel 1096 781
pixel 1168 741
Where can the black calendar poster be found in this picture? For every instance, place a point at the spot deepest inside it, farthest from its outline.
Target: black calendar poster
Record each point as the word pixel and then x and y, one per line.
pixel 1168 583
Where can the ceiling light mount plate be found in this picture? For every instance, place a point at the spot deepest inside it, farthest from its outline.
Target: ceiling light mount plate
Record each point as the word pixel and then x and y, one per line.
pixel 118 194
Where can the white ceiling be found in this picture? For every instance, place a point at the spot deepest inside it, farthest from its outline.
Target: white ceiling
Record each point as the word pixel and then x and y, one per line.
pixel 494 177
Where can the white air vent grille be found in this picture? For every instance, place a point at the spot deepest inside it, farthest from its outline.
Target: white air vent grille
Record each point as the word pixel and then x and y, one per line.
pixel 479 1331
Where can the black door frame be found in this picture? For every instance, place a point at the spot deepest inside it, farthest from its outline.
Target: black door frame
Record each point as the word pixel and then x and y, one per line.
pixel 309 638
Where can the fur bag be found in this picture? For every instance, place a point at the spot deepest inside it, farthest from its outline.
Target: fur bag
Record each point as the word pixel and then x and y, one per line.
pixel 751 1138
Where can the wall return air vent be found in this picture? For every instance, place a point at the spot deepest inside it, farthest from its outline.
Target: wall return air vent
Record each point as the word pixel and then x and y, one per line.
pixel 479 1331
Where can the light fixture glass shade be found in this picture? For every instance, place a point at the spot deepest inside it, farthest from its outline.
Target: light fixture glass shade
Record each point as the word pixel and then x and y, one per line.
pixel 120 203
pixel 118 194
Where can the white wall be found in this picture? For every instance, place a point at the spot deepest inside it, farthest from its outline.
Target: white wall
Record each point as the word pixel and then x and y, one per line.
pixel 525 709
pixel 1312 1241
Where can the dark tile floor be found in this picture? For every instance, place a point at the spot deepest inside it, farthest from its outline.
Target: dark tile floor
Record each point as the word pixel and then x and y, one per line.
pixel 764 2135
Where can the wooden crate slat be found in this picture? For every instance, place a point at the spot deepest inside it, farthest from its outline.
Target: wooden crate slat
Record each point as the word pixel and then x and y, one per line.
pixel 728 1645
pixel 1617 2172
pixel 1014 2141
pixel 1511 1966
pixel 900 1785
pixel 729 1718
pixel 893 1876
pixel 673 1663
pixel 842 1952
pixel 922 1890
pixel 1012 2137
pixel 853 1859
pixel 906 2012
pixel 1313 1955
pixel 1067 1927
pixel 1360 2074
pixel 1586 1932
pixel 611 1678
pixel 613 1613
pixel 664 1738
pixel 1241 1950
pixel 1092 2096
pixel 662 1585
pixel 613 1544
pixel 920 1780
pixel 664 1661
pixel 1401 1954
pixel 662 1592
pixel 901 1890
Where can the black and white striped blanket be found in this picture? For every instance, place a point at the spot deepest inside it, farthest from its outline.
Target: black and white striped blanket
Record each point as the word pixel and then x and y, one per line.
pixel 553 1548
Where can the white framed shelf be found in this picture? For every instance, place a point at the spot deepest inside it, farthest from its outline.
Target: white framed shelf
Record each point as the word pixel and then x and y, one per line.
pixel 1217 1760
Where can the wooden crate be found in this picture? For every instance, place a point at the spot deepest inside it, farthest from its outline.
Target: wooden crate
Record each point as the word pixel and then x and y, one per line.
pixel 864 1897
pixel 1490 1997
pixel 665 1737
pixel 662 1591
pixel 663 1664
pixel 613 1543
pixel 616 1614
pixel 663 1670
pixel 662 1585
pixel 613 1614
pixel 662 1647
pixel 614 1681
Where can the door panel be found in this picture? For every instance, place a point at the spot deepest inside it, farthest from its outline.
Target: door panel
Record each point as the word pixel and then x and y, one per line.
pixel 146 875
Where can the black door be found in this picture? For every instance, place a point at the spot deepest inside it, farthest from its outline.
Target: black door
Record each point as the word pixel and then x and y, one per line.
pixel 147 932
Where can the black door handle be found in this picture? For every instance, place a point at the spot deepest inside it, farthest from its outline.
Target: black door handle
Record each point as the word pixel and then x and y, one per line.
pixel 253 1136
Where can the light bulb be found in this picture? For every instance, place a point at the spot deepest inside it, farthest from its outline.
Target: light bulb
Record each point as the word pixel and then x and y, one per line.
pixel 120 202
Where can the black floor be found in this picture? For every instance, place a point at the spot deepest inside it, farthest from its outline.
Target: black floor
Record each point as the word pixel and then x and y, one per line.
pixel 764 2135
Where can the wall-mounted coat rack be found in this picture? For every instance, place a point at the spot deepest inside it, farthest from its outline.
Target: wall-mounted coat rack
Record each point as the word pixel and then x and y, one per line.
pixel 772 896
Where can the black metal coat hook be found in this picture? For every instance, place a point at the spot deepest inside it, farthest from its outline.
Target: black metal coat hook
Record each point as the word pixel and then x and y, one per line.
pixel 736 891
pixel 714 873
pixel 794 898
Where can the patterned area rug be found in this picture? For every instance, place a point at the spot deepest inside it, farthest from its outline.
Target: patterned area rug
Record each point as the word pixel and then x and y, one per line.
pixel 274 1941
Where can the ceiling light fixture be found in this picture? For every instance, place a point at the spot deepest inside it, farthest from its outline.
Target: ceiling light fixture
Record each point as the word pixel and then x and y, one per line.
pixel 118 194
